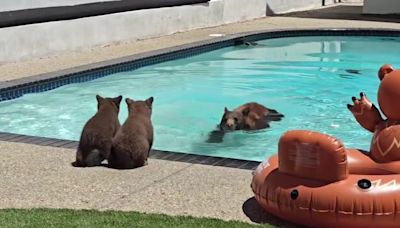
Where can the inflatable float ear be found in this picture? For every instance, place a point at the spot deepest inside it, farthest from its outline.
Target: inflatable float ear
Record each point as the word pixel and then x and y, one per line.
pixel 385 69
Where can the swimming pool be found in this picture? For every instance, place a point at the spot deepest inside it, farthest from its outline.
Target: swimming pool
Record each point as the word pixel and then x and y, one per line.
pixel 308 79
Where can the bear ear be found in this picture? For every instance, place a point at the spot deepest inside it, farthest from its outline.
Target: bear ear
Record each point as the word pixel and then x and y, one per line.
pixel 149 101
pixel 128 101
pixel 99 98
pixel 246 111
pixel 117 100
pixel 385 69
pixel 226 110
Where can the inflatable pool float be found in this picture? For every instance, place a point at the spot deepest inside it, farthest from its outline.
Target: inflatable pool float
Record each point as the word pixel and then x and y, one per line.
pixel 315 181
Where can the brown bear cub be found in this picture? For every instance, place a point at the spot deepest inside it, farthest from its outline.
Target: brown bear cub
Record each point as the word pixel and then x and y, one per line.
pixel 132 143
pixel 249 116
pixel 96 138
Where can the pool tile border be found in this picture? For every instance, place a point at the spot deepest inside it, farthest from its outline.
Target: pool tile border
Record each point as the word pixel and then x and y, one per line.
pixel 154 154
pixel 39 83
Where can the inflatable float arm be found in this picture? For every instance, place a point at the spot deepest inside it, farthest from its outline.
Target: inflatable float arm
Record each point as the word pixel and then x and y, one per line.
pixel 366 113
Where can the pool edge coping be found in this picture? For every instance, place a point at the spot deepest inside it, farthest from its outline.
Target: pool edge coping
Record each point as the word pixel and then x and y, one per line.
pixel 154 154
pixel 160 154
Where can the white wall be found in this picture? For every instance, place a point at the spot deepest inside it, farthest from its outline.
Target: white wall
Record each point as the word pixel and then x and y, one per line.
pixel 27 41
pixel 381 7
pixel 9 5
pixel 240 10
pixel 286 6
pixel 35 40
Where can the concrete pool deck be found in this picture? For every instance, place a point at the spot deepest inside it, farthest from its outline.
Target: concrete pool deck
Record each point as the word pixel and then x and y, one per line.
pixel 41 176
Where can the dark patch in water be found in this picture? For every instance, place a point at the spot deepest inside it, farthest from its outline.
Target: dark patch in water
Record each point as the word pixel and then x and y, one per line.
pixel 251 44
pixel 352 71
pixel 216 136
pixel 346 76
pixel 238 42
pixel 388 38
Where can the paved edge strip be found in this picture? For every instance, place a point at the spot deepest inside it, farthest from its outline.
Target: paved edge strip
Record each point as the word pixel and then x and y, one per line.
pixel 154 154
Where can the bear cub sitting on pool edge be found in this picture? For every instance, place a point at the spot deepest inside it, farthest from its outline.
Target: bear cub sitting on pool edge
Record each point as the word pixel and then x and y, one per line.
pixel 132 143
pixel 96 138
pixel 249 116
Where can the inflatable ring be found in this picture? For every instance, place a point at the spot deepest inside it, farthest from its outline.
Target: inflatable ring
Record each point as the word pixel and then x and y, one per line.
pixel 315 181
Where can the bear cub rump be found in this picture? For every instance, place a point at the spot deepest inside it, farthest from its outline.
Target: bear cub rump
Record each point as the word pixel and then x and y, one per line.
pixel 96 137
pixel 132 143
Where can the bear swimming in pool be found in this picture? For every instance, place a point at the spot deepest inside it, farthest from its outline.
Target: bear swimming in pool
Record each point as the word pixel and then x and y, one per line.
pixel 249 116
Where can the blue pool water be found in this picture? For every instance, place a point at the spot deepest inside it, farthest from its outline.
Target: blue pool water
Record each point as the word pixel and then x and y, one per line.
pixel 308 79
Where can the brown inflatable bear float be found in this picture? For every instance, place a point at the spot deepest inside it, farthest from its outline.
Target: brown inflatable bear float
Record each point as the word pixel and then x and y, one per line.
pixel 249 116
pixel 315 181
pixel 385 145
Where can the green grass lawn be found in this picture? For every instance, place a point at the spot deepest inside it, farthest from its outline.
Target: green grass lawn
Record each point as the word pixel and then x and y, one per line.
pixel 89 218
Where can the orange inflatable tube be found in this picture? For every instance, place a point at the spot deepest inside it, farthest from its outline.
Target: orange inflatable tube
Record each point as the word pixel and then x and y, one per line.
pixel 315 181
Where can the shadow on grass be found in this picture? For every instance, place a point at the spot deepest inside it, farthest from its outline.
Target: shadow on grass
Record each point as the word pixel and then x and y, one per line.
pixel 258 215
